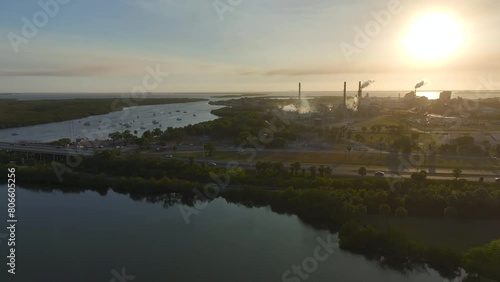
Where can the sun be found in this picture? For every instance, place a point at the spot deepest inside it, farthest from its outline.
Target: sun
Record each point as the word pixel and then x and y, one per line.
pixel 434 37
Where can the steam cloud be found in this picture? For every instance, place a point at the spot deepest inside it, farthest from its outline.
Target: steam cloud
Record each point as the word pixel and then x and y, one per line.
pixel 301 107
pixel 420 84
pixel 367 83
pixel 352 103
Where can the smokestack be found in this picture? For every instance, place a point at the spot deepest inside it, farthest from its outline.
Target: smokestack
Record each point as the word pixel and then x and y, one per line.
pixel 360 91
pixel 345 95
pixel 300 98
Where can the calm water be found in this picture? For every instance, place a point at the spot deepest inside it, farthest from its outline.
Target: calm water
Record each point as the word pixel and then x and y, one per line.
pixel 83 237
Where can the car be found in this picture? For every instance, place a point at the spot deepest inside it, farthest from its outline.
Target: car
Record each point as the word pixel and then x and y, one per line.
pixel 212 164
pixel 58 147
pixel 379 173
pixel 497 179
pixel 168 156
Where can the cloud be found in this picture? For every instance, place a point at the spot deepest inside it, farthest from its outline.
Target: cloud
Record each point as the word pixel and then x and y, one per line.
pixel 62 72
pixel 312 70
pixel 471 63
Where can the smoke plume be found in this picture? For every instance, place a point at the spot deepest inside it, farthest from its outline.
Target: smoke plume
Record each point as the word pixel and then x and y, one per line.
pixel 367 83
pixel 352 103
pixel 420 84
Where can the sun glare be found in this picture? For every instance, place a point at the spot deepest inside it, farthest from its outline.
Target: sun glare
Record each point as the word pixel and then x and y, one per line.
pixel 434 37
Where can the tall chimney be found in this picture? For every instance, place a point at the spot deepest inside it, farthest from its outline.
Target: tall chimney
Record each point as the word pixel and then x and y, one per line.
pixel 345 95
pixel 360 91
pixel 300 98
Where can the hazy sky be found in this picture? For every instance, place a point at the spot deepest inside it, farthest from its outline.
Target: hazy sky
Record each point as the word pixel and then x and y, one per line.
pixel 257 45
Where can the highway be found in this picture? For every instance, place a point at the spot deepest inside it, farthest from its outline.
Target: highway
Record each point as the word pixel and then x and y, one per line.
pixel 46 149
pixel 352 171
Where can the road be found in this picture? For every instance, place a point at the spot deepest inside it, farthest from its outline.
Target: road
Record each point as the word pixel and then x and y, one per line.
pixel 347 170
pixel 46 149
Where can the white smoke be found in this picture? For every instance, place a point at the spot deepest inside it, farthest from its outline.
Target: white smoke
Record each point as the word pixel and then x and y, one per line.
pixel 352 103
pixel 367 83
pixel 289 108
pixel 302 107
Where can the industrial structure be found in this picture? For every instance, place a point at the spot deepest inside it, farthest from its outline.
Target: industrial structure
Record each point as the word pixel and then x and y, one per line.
pixel 445 96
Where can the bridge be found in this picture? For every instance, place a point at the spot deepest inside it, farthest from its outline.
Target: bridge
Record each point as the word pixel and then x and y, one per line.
pixel 44 151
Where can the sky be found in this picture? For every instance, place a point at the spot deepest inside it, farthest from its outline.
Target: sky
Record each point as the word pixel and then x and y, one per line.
pixel 242 45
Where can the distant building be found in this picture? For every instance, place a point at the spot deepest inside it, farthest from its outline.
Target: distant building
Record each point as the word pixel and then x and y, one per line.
pixel 445 96
pixel 410 95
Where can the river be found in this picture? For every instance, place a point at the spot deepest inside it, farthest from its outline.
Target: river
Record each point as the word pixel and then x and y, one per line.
pixel 140 118
pixel 91 237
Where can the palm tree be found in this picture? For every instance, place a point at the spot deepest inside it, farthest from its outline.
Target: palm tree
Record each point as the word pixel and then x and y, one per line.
pixel 296 166
pixel 321 170
pixel 209 147
pixel 292 169
pixel 456 173
pixel 362 171
pixel 313 169
pixel 115 136
pixel 328 171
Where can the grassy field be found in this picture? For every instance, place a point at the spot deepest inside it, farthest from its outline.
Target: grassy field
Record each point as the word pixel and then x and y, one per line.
pixel 457 234
pixel 372 139
pixel 384 120
pixel 15 113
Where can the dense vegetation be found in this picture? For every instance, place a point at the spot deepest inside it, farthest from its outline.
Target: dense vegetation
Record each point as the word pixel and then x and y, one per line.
pixel 323 201
pixel 17 113
pixel 241 125
pixel 395 248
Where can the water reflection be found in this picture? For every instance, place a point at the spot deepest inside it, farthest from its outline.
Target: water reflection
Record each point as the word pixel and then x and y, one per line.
pixel 226 241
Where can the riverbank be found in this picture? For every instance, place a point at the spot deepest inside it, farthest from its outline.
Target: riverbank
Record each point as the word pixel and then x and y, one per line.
pixel 454 233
